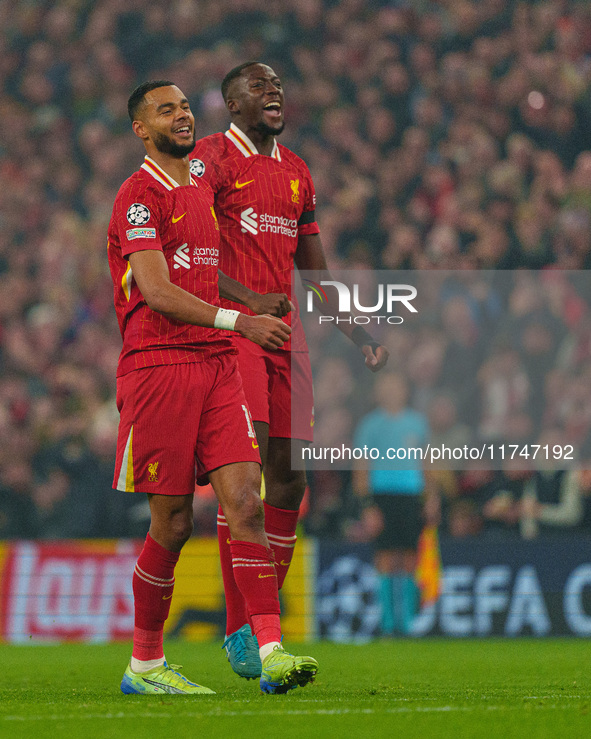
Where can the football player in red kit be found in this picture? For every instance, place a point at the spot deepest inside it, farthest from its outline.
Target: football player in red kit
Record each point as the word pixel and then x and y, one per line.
pixel 265 204
pixel 182 407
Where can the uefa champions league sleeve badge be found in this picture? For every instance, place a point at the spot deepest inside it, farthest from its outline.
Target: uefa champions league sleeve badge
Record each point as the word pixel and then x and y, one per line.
pixel 138 214
pixel 197 167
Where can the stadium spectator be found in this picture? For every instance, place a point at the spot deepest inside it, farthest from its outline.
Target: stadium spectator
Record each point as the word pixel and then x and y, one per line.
pixel 551 499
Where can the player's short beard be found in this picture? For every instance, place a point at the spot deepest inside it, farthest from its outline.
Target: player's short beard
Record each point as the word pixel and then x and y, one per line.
pixel 165 145
pixel 266 130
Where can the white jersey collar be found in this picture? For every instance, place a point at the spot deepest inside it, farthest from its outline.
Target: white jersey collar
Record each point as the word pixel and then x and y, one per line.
pixel 159 174
pixel 245 145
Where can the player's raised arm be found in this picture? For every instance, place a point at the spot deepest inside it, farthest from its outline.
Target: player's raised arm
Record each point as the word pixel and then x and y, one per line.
pixel 310 257
pixel 151 275
pixel 273 304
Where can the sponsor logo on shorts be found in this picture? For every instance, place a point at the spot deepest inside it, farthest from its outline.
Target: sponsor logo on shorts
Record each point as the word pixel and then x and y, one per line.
pixel 153 471
pixel 140 233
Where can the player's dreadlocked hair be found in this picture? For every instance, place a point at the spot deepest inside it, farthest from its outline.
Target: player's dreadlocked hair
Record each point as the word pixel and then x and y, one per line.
pixel 232 74
pixel 137 96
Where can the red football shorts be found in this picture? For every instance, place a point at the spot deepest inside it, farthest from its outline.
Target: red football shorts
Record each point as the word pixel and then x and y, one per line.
pixel 179 422
pixel 278 388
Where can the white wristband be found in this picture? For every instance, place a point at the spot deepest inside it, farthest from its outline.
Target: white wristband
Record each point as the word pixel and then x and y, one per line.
pixel 226 319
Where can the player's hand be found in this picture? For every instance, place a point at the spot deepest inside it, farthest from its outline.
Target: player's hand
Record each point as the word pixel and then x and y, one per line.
pixel 273 304
pixel 375 360
pixel 266 331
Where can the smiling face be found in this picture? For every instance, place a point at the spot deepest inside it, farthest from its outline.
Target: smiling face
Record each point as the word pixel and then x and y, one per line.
pixel 165 121
pixel 255 100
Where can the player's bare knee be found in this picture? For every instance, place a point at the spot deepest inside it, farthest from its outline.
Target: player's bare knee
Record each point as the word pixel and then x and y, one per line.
pixel 180 528
pixel 252 512
pixel 246 515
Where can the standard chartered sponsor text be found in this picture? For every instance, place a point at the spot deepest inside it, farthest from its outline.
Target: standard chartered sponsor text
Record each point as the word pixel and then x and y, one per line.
pixel 442 453
pixel 205 255
pixel 278 225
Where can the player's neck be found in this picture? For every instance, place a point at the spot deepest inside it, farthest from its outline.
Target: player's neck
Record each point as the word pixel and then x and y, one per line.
pixel 174 167
pixel 264 143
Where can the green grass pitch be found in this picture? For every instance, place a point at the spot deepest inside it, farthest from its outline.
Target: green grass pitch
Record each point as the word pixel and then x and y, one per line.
pixel 428 688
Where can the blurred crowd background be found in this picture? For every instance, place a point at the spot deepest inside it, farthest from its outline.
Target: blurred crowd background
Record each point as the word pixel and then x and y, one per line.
pixel 450 135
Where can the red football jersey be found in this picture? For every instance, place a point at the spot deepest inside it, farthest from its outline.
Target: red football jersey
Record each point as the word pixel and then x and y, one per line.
pixel 152 211
pixel 263 204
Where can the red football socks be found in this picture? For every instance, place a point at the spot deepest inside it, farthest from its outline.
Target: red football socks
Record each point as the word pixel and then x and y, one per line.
pixel 236 615
pixel 153 584
pixel 280 525
pixel 267 629
pixel 254 573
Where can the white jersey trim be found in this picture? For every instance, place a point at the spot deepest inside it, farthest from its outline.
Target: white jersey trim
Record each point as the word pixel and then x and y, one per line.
pixel 159 174
pixel 245 145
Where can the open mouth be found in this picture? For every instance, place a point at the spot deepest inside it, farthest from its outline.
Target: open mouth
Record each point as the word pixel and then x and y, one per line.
pixel 184 131
pixel 273 109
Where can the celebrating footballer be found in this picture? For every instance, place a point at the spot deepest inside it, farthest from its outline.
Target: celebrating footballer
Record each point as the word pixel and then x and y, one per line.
pixel 182 408
pixel 265 204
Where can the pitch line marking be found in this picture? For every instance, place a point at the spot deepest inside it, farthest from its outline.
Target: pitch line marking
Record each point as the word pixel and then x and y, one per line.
pixel 292 712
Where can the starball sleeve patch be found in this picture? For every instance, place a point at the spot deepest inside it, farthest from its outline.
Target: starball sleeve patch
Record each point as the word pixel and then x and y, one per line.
pixel 138 214
pixel 197 167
